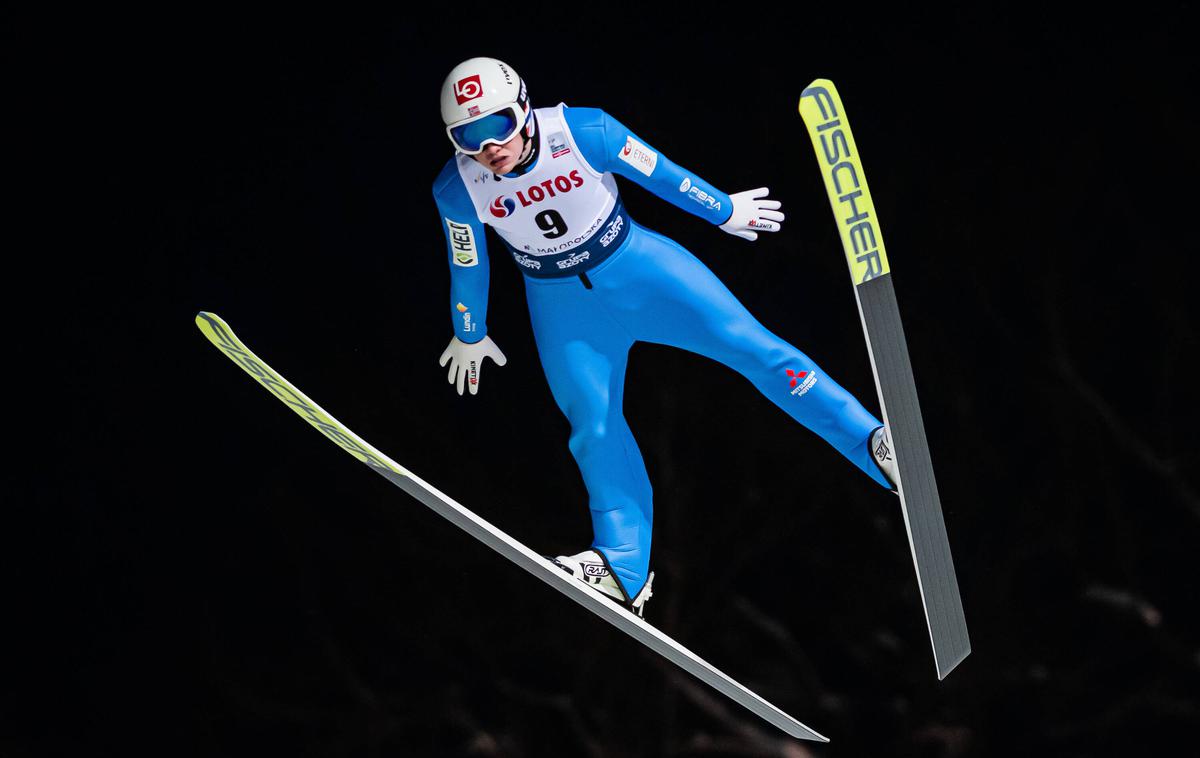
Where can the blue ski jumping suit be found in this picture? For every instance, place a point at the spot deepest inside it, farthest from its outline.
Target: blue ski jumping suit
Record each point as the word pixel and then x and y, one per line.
pixel 596 282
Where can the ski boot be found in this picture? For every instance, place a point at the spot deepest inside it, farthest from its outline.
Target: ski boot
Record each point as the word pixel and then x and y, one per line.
pixel 881 450
pixel 592 569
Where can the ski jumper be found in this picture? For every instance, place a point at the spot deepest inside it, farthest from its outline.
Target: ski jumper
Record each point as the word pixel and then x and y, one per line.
pixel 596 282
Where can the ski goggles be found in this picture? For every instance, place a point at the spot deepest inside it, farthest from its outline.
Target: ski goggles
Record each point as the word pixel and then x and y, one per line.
pixel 470 137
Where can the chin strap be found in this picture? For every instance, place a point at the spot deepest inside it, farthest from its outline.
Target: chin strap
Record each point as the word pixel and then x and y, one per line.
pixel 530 133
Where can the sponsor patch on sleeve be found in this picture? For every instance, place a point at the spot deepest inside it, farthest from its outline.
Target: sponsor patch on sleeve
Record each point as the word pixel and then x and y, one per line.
pixel 639 156
pixel 462 242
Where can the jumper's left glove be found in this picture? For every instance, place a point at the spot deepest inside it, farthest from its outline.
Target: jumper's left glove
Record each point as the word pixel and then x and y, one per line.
pixel 753 214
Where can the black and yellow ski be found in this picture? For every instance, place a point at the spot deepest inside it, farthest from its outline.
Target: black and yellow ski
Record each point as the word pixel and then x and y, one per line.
pixel 841 166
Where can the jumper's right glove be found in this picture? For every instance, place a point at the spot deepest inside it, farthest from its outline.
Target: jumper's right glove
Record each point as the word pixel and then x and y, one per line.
pixel 466 360
pixel 753 214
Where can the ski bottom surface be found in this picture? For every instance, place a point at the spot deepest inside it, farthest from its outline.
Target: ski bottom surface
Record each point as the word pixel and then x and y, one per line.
pixel 918 490
pixel 219 333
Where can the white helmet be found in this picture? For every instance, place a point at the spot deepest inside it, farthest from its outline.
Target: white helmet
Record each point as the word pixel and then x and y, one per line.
pixel 484 101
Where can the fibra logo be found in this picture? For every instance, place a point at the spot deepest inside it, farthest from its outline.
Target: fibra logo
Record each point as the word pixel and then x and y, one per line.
pixel 468 89
pixel 801 381
pixel 686 184
pixel 503 206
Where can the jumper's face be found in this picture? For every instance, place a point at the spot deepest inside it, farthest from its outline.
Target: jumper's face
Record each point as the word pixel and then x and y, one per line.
pixel 500 159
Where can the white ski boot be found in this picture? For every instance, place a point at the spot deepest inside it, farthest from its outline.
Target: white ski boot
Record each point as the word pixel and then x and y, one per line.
pixel 590 568
pixel 881 449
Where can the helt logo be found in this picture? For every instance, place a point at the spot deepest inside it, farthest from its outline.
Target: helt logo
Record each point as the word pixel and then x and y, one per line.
pixel 595 569
pixel 462 244
pixel 467 89
pixel 801 381
pixel 503 206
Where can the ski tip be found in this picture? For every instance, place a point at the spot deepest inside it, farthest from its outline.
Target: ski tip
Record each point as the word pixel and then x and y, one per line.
pixel 821 95
pixel 208 319
pixel 817 84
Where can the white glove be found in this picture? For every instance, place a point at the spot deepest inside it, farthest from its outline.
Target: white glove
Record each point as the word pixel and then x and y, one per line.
pixel 752 215
pixel 466 360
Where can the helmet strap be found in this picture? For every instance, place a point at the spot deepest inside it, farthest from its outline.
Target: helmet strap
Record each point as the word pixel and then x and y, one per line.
pixel 531 145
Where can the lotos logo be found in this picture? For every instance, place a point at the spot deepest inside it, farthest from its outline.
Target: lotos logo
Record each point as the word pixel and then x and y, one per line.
pixel 468 89
pixel 801 381
pixel 503 206
pixel 549 188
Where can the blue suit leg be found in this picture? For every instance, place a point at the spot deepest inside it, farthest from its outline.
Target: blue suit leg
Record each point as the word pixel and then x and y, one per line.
pixel 668 296
pixel 584 352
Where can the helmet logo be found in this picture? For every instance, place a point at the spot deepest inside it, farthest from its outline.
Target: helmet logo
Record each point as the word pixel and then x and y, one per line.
pixel 467 89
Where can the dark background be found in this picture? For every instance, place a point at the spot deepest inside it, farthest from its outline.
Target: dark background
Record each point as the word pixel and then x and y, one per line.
pixel 197 572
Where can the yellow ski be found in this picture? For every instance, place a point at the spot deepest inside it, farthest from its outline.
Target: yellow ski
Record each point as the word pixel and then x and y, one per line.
pixel 219 333
pixel 862 240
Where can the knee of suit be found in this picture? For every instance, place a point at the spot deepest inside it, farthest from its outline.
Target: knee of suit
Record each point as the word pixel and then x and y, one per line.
pixel 586 436
pixel 780 357
pixel 765 364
